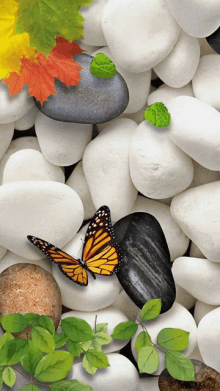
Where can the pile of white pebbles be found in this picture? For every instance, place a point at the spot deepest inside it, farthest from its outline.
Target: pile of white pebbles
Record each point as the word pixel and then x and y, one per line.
pixel 176 169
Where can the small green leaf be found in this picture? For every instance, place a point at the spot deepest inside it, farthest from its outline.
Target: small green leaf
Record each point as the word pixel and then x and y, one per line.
pixel 97 359
pixel 125 330
pixel 92 345
pixel 102 66
pixel 54 366
pixel 142 340
pixel 173 339
pixel 101 327
pixel 102 338
pixel 30 387
pixel 14 323
pixel 1 372
pixel 45 322
pixel 31 359
pixel 76 329
pixel 74 348
pixel 31 318
pixel 151 309
pixel 69 385
pixel 60 340
pixel 148 359
pixel 88 368
pixel 9 377
pixel 13 351
pixel 5 338
pixel 42 339
pixel 179 366
pixel 157 114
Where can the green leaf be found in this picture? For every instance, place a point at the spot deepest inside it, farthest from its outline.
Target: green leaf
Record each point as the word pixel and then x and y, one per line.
pixel 102 338
pixel 102 66
pixel 31 318
pixel 13 351
pixel 173 339
pixel 74 348
pixel 1 372
pixel 157 114
pixel 9 377
pixel 14 323
pixel 88 368
pixel 151 309
pixel 69 385
pixel 76 329
pixel 42 339
pixel 54 366
pixel 125 330
pixel 60 340
pixel 179 366
pixel 101 327
pixel 5 338
pixel 148 359
pixel 45 322
pixel 97 359
pixel 142 340
pixel 93 345
pixel 31 359
pixel 30 387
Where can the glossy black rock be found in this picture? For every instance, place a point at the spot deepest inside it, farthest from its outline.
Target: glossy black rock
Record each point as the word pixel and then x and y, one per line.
pixel 145 271
pixel 93 101
pixel 214 40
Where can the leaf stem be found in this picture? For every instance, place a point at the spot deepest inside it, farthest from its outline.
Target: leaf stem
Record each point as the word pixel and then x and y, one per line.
pixel 31 379
pixel 95 322
pixel 156 346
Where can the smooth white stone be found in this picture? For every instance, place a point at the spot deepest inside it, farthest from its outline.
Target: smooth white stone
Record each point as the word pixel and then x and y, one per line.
pixel 3 251
pixel 28 120
pixel 62 143
pixel 138 84
pixel 16 145
pixel 139 34
pixel 158 168
pixel 166 201
pixel 209 339
pixel 48 210
pixel 198 18
pixel 199 277
pixel 196 355
pixel 202 175
pixel 83 230
pixel 165 93
pixel 6 134
pixel 106 168
pixel 176 317
pixel 149 384
pixel 120 375
pixel 92 28
pixel 179 67
pixel 11 259
pixel 176 239
pixel 88 48
pixel 77 181
pixel 206 82
pixel 98 294
pixel 111 316
pixel 14 108
pixel 192 118
pixel 205 48
pixel 197 212
pixel 184 298
pixel 31 165
pixel 195 252
pixel 126 305
pixel 201 309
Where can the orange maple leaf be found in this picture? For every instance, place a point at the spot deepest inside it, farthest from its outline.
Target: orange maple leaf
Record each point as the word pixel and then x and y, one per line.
pixel 40 75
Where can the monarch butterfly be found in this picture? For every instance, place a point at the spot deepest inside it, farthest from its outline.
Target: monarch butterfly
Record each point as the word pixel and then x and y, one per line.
pixel 101 254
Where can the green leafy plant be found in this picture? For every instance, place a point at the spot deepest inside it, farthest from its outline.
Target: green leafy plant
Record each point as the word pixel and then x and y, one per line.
pixel 157 114
pixel 102 66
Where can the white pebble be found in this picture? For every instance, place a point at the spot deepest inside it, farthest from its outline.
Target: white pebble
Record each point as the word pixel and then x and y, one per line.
pixel 3 251
pixel 196 355
pixel 126 305
pixel 88 48
pixel 205 48
pixel 195 252
pixel 92 28
pixel 28 120
pixel 206 82
pixel 209 339
pixel 139 34
pixel 201 309
pixel 6 134
pixel 190 119
pixel 199 277
pixel 184 298
pixel 179 67
pixel 197 212
pixel 14 108
pixel 62 143
pixel 158 168
pixel 106 168
pixel 149 384
pixel 31 165
pixel 11 259
pixel 165 93
pixel 202 175
pixel 45 209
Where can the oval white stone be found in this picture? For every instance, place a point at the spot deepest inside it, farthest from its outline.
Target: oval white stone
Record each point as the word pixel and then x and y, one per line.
pixel 165 93
pixel 126 305
pixel 202 309
pixel 92 28
pixel 28 120
pixel 184 298
pixel 11 259
pixel 209 339
pixel 202 175
pixel 6 134
pixel 195 252
pixel 14 108
pixel 149 383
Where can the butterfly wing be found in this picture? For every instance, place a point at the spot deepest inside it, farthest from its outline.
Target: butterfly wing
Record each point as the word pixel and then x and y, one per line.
pixel 107 261
pixel 69 266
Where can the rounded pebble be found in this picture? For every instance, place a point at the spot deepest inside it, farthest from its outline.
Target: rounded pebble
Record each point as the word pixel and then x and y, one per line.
pixel 14 108
pixel 126 305
pixel 195 252
pixel 209 339
pixel 6 134
pixel 28 120
pixel 202 175
pixel 184 298
pixel 148 384
pixel 92 28
pixel 10 259
pixel 201 309
pixel 165 93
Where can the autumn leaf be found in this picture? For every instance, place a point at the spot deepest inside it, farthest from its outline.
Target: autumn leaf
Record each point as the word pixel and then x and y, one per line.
pixel 8 14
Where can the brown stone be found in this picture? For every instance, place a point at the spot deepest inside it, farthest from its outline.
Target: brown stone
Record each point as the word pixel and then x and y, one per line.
pixel 207 379
pixel 24 288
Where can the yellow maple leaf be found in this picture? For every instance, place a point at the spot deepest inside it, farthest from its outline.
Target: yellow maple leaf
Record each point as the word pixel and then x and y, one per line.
pixel 8 17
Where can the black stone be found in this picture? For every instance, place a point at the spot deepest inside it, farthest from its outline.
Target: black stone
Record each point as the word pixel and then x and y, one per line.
pixel 214 40
pixel 207 379
pixel 93 101
pixel 145 271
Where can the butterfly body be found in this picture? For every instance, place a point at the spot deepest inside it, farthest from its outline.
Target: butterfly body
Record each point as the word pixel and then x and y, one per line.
pixel 101 254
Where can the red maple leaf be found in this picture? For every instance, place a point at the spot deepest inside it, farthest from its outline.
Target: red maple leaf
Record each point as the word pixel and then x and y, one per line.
pixel 40 75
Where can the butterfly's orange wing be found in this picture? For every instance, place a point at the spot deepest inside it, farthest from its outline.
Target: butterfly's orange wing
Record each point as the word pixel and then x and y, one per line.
pixel 68 265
